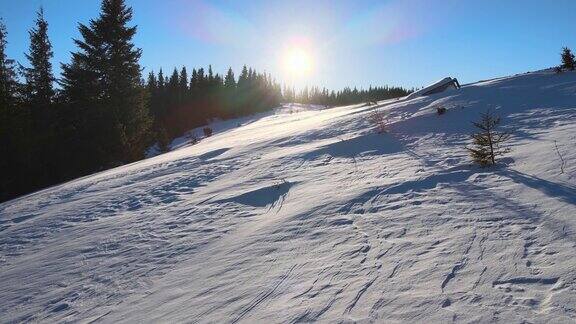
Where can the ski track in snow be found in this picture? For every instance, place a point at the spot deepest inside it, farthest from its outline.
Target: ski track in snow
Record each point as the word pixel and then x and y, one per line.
pixel 308 215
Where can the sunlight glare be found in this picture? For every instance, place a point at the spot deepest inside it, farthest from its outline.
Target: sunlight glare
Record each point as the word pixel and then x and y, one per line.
pixel 298 62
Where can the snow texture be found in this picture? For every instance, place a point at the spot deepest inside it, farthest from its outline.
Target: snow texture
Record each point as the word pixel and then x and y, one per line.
pixel 307 215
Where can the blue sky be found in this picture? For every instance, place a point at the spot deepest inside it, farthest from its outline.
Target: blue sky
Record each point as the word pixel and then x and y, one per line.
pixel 356 43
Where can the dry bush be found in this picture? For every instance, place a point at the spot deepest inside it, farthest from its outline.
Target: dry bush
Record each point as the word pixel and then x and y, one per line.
pixel 441 110
pixel 207 131
pixel 380 120
pixel 192 138
pixel 558 69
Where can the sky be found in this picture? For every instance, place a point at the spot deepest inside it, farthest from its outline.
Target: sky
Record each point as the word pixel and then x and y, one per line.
pixel 409 43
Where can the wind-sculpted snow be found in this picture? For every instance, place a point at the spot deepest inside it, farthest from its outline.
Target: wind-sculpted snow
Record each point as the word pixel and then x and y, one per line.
pixel 309 215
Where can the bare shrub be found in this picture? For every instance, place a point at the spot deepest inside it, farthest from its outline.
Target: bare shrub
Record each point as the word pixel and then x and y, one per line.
pixel 192 138
pixel 380 120
pixel 558 69
pixel 562 161
pixel 207 131
pixel 441 110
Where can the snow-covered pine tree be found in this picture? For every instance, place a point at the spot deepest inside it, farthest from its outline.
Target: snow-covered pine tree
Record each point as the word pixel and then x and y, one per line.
pixel 488 141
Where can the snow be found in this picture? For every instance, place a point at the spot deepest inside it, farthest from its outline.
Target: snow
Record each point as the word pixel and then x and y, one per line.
pixel 310 215
pixel 437 84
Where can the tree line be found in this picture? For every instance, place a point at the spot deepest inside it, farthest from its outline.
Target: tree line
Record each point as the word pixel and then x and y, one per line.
pixel 101 113
pixel 346 96
pixel 179 103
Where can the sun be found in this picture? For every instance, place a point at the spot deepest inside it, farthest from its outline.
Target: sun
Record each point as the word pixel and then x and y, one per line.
pixel 298 62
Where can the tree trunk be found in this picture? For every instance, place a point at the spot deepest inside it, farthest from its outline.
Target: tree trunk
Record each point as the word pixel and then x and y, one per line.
pixel 491 146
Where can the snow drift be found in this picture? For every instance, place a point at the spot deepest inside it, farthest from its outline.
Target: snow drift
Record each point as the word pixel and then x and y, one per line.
pixel 445 84
pixel 311 216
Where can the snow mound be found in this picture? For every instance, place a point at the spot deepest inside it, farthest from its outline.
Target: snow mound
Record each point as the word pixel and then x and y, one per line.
pixel 436 87
pixel 306 215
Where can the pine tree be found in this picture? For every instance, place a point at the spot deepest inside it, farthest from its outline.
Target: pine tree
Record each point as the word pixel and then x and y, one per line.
pixel 488 142
pixel 39 77
pixel 160 109
pixel 151 83
pixel 173 89
pixel 152 88
pixel 229 81
pixel 183 86
pixel 38 96
pixel 103 84
pixel 568 59
pixel 8 84
pixel 161 81
pixel 243 78
pixel 210 75
pixel 201 84
pixel 193 81
pixel 9 121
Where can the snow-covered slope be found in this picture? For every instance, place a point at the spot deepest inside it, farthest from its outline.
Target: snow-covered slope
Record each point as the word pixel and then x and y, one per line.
pixel 312 216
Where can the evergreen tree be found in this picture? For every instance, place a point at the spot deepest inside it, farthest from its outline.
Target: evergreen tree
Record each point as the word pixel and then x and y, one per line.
pixel 229 81
pixel 152 87
pixel 39 77
pixel 151 83
pixel 183 85
pixel 229 94
pixel 161 81
pixel 9 122
pixel 8 84
pixel 103 85
pixel 193 81
pixel 210 75
pixel 568 59
pixel 488 141
pixel 201 83
pixel 243 78
pixel 159 109
pixel 174 83
pixel 38 96
pixel 173 91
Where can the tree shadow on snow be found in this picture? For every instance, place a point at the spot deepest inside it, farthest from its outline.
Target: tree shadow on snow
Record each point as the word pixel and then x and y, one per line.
pixel 264 196
pixel 364 145
pixel 532 123
pixel 551 189
pixel 212 154
pixel 454 176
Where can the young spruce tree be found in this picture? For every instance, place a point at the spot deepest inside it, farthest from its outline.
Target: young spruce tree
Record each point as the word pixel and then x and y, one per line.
pixel 488 141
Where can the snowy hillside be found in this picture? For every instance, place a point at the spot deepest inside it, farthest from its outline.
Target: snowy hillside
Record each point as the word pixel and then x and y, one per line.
pixel 312 216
